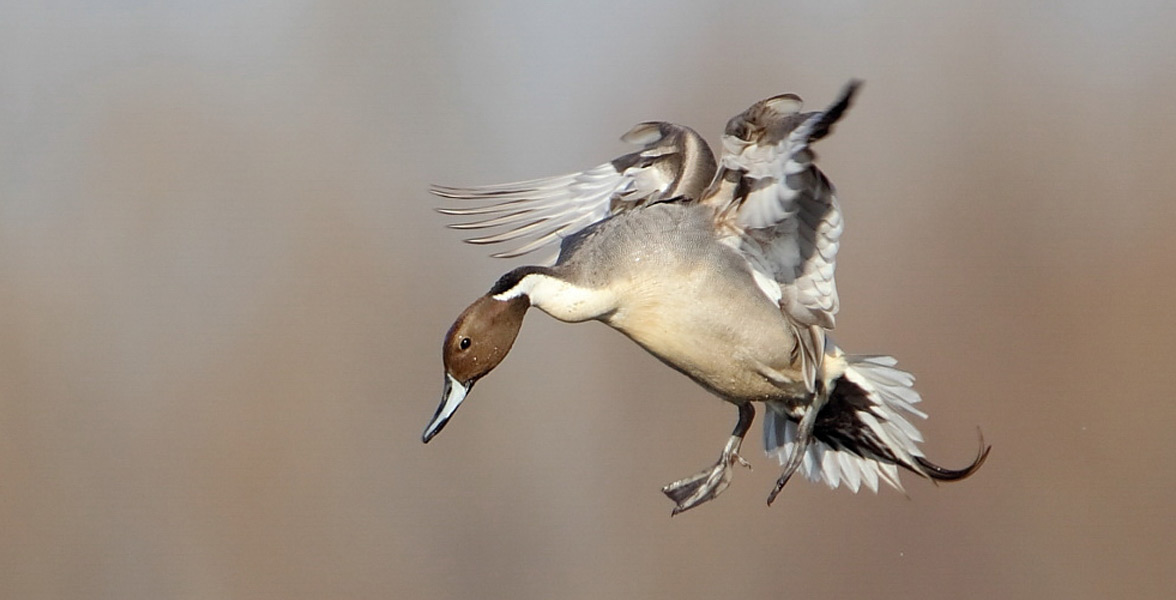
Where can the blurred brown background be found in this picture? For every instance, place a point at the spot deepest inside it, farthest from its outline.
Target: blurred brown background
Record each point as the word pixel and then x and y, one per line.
pixel 224 291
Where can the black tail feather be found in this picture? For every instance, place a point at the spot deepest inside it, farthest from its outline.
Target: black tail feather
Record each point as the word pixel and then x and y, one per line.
pixel 939 473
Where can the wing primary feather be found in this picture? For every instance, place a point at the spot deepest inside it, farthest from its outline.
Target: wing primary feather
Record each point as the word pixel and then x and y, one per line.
pixel 673 162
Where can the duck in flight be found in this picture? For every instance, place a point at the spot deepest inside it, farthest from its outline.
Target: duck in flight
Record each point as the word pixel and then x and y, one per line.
pixel 722 271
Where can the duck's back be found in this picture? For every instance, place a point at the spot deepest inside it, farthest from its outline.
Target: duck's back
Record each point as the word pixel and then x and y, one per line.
pixel 667 235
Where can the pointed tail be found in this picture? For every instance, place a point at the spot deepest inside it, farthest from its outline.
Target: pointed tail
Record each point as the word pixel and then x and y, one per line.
pixel 863 433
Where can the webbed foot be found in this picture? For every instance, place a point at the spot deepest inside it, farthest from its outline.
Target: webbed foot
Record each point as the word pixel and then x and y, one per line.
pixel 709 483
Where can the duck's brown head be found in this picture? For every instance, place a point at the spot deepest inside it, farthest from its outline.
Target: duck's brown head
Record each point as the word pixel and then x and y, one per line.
pixel 476 343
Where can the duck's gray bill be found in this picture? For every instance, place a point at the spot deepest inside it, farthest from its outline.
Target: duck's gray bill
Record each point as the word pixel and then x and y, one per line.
pixel 451 398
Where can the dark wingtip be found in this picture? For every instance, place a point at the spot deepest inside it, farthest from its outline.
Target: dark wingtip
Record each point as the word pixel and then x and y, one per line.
pixel 850 91
pixel 836 110
pixel 939 473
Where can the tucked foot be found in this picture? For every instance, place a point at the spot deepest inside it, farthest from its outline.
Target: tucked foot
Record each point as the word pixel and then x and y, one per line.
pixel 804 437
pixel 707 484
pixel 789 469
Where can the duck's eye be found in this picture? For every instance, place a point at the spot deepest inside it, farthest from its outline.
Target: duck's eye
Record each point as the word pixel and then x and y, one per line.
pixel 464 343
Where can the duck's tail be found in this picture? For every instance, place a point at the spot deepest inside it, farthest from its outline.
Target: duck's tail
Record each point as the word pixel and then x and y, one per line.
pixel 863 433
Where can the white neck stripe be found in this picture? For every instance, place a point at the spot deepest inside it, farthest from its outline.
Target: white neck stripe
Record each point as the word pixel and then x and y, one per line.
pixel 559 298
pixel 522 288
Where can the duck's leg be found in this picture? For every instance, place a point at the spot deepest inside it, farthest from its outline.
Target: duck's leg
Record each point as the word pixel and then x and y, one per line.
pixel 804 437
pixel 708 484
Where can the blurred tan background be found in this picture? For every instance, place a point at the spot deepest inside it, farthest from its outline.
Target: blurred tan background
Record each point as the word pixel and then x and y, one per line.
pixel 224 291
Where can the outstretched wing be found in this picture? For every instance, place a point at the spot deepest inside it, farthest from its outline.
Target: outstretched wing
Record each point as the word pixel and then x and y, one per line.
pixel 674 161
pixel 781 211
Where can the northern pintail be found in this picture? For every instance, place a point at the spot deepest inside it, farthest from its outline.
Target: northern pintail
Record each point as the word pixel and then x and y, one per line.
pixel 724 272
